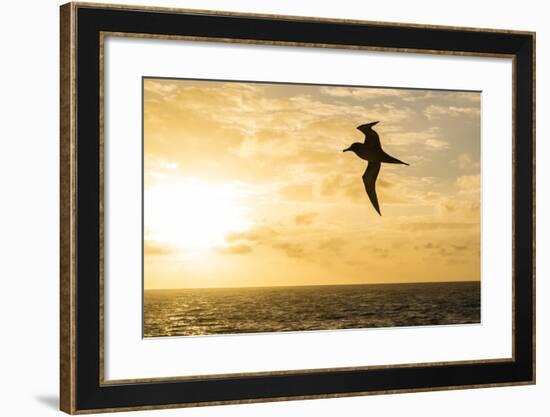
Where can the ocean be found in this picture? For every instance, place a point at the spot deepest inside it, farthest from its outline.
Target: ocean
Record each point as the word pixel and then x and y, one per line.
pixel 207 311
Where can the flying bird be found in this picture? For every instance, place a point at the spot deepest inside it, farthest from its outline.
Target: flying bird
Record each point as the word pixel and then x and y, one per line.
pixel 372 151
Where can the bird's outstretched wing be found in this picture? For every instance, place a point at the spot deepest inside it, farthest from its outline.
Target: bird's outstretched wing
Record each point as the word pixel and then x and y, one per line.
pixel 369 179
pixel 371 137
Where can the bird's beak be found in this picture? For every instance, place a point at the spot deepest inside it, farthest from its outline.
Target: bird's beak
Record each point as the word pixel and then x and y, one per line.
pixel 345 150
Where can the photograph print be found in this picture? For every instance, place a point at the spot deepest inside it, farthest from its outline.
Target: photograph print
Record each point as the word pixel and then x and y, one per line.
pixel 278 207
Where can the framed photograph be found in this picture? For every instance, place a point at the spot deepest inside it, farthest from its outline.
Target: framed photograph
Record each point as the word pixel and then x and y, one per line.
pixel 264 208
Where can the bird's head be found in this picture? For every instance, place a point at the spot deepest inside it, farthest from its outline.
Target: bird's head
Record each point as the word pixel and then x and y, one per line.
pixel 354 147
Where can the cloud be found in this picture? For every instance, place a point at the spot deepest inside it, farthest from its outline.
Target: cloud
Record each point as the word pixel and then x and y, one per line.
pixel 362 93
pixel 438 111
pixel 257 234
pixel 156 166
pixel 305 219
pixel 436 144
pixel 288 239
pixel 465 161
pixel 466 207
pixel 265 236
pixel 429 138
pixel 446 248
pixel 350 186
pixel 428 226
pixel 332 244
pixel 291 249
pixel 240 249
pixel 388 94
pixel 155 248
pixel 380 252
pixel 382 183
pixel 248 110
pixel 468 184
pixel 161 88
pixel 297 192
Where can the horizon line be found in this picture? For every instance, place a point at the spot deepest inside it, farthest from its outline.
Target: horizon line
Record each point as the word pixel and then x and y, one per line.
pixel 310 285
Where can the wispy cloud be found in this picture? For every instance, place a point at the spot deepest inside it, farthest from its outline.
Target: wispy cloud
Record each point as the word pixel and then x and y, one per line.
pixel 438 111
pixel 468 184
pixel 234 249
pixel 465 161
pixel 363 93
pixel 305 219
pixel 151 247
pixel 429 139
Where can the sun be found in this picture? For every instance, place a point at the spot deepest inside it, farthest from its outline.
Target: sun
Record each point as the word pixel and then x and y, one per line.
pixel 193 214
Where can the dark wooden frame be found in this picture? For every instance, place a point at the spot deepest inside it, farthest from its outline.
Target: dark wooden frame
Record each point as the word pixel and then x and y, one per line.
pixel 83 388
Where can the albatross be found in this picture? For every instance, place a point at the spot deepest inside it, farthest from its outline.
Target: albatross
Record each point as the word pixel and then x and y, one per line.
pixel 372 151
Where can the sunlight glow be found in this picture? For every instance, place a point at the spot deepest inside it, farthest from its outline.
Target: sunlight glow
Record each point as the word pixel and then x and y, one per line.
pixel 193 214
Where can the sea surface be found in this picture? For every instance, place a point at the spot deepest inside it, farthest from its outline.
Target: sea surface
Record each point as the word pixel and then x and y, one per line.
pixel 205 311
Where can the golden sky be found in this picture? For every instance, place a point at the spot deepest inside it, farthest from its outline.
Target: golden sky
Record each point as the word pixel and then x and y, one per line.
pixel 246 184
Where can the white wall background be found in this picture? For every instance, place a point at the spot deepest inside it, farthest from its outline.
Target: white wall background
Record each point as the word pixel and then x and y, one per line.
pixel 29 90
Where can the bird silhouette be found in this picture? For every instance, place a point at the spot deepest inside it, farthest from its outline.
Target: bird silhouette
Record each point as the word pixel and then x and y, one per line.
pixel 372 151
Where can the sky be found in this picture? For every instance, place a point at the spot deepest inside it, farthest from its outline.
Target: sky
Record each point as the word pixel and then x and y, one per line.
pixel 246 184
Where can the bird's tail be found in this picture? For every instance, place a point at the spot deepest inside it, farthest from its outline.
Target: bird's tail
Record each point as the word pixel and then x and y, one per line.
pixel 391 160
